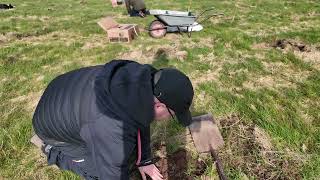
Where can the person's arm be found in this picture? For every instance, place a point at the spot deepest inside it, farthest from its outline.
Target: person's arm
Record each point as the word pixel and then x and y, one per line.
pixel 145 144
pixel 145 165
pixel 108 150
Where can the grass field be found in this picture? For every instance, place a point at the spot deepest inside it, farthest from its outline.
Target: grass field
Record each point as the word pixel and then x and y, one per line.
pixel 256 69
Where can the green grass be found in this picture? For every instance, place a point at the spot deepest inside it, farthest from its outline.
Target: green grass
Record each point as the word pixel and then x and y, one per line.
pixel 273 89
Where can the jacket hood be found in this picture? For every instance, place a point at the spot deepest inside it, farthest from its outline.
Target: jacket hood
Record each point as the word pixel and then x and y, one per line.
pixel 124 91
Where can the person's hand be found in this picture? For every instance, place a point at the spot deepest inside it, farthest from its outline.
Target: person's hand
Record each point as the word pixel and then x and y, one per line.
pixel 141 14
pixel 151 170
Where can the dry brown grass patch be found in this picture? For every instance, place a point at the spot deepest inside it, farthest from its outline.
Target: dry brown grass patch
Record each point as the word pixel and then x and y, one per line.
pixel 266 82
pixel 202 77
pixel 58 36
pixel 200 43
pixel 305 105
pixel 281 74
pixel 40 170
pixel 30 100
pixel 152 53
pixel 262 45
pixel 95 41
pixel 248 148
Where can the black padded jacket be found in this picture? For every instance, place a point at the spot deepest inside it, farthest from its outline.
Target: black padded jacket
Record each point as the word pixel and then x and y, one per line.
pixel 99 109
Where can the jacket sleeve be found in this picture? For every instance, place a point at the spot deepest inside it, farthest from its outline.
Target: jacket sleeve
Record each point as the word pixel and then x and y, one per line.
pixel 108 150
pixel 145 144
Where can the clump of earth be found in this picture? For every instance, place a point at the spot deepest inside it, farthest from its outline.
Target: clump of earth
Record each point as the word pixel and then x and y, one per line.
pixel 291 44
pixel 175 165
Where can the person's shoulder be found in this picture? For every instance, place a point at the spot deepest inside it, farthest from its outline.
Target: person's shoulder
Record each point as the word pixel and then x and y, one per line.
pixel 126 71
pixel 79 75
pixel 77 72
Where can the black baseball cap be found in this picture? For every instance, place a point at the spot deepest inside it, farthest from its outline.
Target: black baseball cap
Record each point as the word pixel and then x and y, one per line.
pixel 174 89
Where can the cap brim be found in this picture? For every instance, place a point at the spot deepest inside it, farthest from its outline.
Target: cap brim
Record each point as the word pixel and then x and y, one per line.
pixel 184 118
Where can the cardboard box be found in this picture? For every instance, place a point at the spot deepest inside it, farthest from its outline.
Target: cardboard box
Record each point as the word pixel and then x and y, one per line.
pixel 118 32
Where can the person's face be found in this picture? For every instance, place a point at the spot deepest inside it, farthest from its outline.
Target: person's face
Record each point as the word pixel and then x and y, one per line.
pixel 161 111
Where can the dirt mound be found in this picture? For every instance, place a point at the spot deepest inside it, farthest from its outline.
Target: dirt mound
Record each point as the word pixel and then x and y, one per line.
pixel 248 148
pixel 291 45
pixel 287 45
pixel 309 53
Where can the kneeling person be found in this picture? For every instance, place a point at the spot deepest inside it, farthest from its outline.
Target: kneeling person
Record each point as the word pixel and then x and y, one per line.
pixel 92 119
